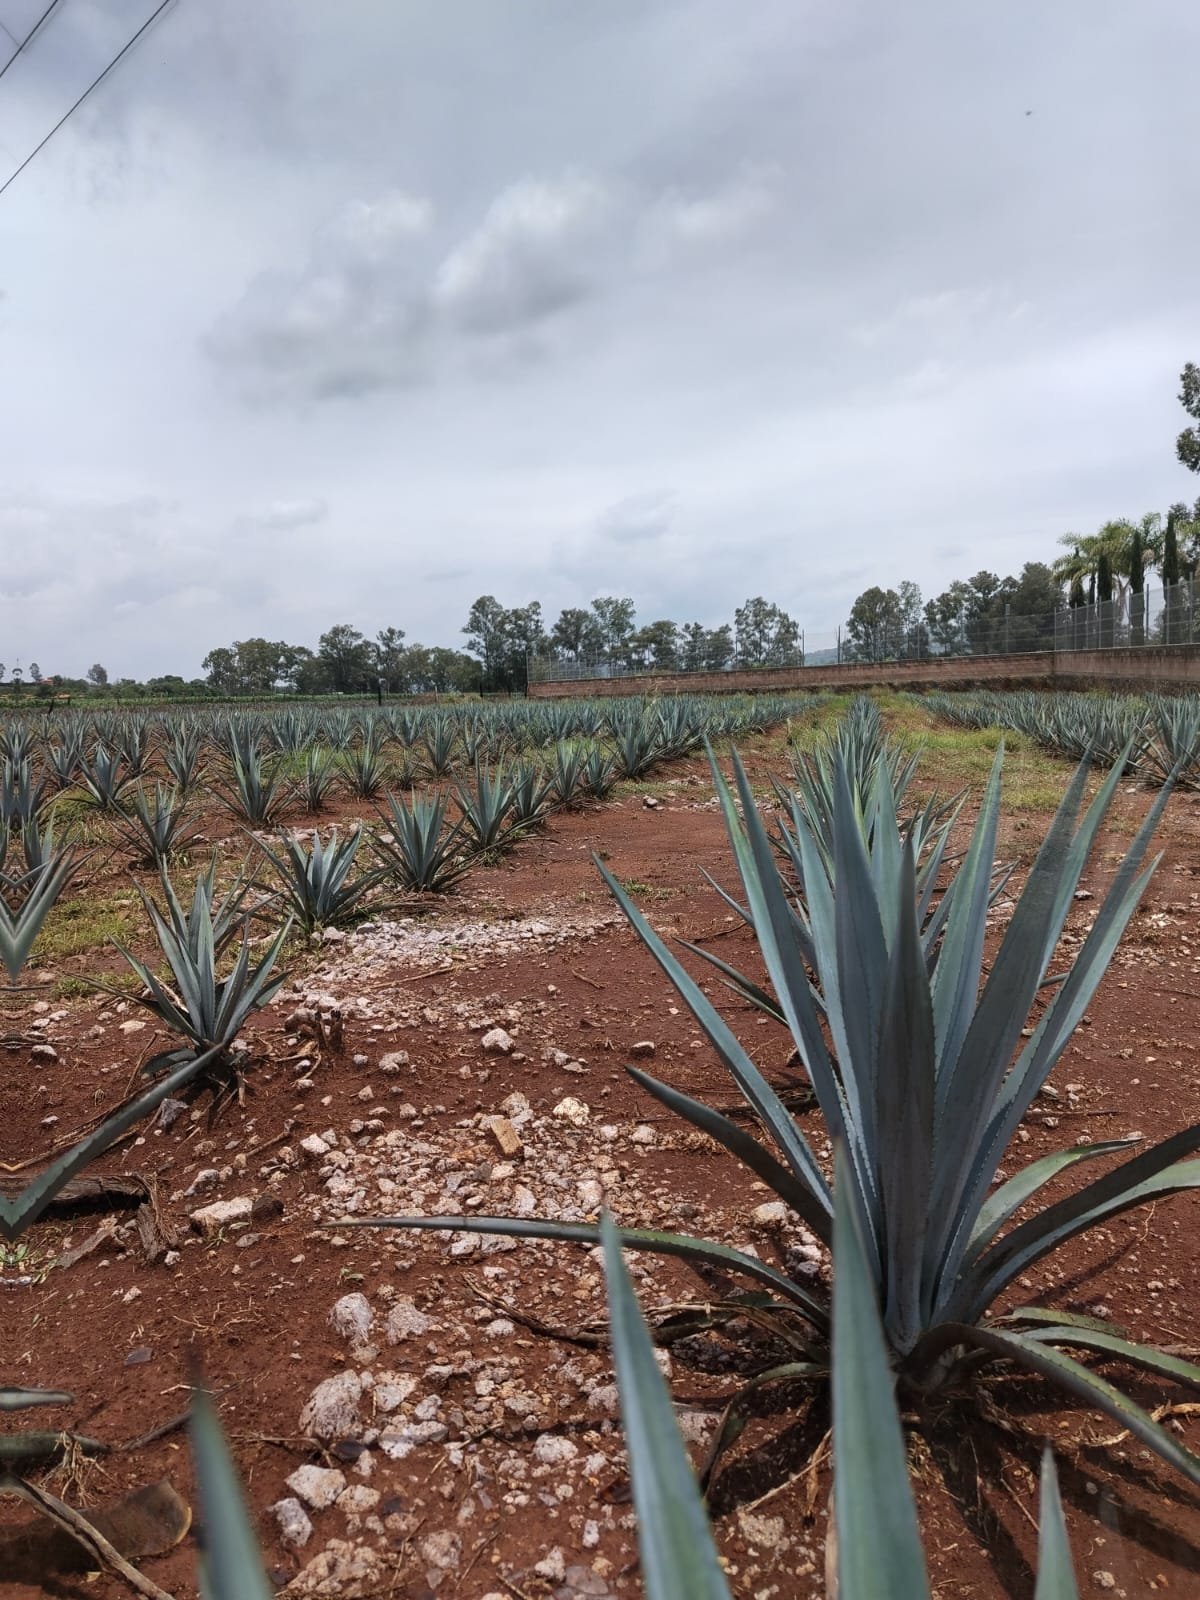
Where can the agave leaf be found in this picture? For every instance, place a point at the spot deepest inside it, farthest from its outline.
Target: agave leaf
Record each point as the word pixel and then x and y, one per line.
pixel 19 1214
pixel 762 1098
pixel 231 1567
pixel 679 1559
pixel 1157 1171
pixel 1079 1380
pixel 956 982
pixel 879 1545
pixel 905 1088
pixel 737 1413
pixel 1056 1575
pixel 1012 1195
pixel 1039 1315
pixel 740 1144
pixel 738 982
pixel 682 1245
pixel 1103 1342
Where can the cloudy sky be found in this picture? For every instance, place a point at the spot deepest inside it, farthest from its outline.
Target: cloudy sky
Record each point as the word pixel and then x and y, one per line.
pixel 353 310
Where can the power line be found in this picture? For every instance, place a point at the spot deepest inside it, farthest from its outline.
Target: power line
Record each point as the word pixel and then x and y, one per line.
pixel 28 39
pixel 95 84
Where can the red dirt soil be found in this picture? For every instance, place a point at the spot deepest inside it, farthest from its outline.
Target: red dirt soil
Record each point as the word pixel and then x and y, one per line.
pixel 492 1463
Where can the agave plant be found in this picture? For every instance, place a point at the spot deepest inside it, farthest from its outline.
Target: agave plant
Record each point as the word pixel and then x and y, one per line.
pixel 22 796
pixel 231 1566
pixel 258 793
pixel 486 807
pixel 183 755
pixel 927 1082
pixel 599 772
pixel 320 777
pixel 25 903
pixel 158 829
pixel 877 1539
pixel 532 791
pixel 419 850
pixel 207 1011
pixel 440 743
pixel 366 770
pixel 106 777
pixel 317 888
pixel 569 773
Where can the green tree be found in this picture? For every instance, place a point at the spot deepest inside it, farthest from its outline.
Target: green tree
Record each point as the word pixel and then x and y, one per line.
pixel 98 675
pixel 655 646
pixel 222 669
pixel 345 655
pixel 765 634
pixel 387 656
pixel 718 648
pixel 615 617
pixel 1104 597
pixel 873 631
pixel 485 631
pixel 578 634
pixel 1187 446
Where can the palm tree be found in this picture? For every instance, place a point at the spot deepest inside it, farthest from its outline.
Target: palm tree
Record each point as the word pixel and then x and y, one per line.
pixel 1116 543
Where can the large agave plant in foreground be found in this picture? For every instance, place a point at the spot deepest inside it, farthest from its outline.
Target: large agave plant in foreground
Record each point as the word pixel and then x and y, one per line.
pixel 876 1552
pixel 927 1081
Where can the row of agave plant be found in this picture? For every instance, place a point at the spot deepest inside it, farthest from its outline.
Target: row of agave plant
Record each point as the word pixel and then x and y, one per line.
pixel 1152 738
pixel 921 1070
pixel 919 1095
pixel 438 740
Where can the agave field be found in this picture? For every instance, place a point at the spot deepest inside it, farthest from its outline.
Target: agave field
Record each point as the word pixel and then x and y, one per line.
pixel 694 1148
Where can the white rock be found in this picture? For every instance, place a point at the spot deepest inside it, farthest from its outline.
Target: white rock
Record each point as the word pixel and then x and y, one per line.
pixel 295 1529
pixel 551 1451
pixel 496 1042
pixel 211 1219
pixel 314 1146
pixel 358 1500
pixel 774 1214
pixel 552 1566
pixel 318 1487
pixel 331 1410
pixel 643 1134
pixel 404 1321
pixel 352 1318
pixel 392 1389
pixel 572 1111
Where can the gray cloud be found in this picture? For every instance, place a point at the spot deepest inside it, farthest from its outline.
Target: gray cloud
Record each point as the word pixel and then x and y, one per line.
pixel 359 321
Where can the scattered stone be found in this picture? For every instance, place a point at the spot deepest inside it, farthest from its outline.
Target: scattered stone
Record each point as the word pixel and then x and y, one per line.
pixel 331 1411
pixel 207 1178
pixel 441 1549
pixel 643 1047
pixel 774 1214
pixel 551 1450
pixel 404 1321
pixel 318 1487
pixel 134 1025
pixel 44 1052
pixel 1104 1580
pixel 573 1111
pixel 314 1146
pixel 505 1135
pixel 352 1318
pixel 211 1219
pixel 643 1134
pixel 553 1566
pixel 358 1500
pixel 342 1569
pixel 496 1042
pixel 295 1529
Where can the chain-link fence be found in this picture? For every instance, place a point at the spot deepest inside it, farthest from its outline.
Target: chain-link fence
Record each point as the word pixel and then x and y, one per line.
pixel 1155 617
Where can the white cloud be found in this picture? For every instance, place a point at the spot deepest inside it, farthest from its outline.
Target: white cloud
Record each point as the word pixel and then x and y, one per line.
pixel 528 258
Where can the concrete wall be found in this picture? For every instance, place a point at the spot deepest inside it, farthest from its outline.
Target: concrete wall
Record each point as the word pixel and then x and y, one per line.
pixel 1147 668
